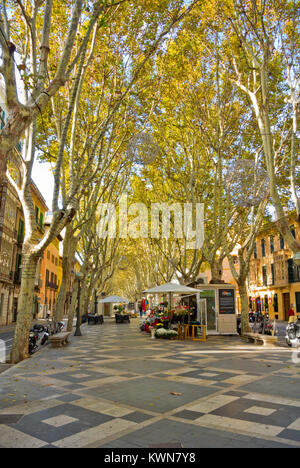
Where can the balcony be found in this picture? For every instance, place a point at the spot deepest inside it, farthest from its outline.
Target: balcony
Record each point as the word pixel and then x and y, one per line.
pixel 51 285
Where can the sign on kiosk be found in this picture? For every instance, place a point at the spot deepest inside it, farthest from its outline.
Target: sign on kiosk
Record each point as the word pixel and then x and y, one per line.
pixel 226 301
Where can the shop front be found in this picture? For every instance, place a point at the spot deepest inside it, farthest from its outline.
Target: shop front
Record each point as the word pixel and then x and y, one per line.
pixel 212 305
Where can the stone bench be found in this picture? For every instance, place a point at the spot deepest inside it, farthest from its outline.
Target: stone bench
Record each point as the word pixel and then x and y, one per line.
pixel 59 340
pixel 266 340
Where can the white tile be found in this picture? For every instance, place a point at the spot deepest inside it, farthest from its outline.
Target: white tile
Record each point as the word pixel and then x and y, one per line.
pixel 237 425
pixel 95 434
pixel 213 403
pixel 241 379
pixel 272 399
pixel 80 376
pixel 11 438
pixel 260 411
pixel 295 426
pixel 208 374
pixel 101 407
pixel 59 421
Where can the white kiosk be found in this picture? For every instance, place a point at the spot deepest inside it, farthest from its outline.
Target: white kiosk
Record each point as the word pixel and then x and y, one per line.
pixel 218 303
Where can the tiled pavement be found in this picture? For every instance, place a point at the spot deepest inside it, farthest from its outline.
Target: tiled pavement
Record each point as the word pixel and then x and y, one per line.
pixel 116 388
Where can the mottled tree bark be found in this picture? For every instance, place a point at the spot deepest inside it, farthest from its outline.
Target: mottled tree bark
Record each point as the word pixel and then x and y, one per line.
pixel 244 304
pixel 25 307
pixel 67 260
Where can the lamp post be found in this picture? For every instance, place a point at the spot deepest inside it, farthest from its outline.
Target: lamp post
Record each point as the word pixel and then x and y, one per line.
pixel 79 276
pixel 96 303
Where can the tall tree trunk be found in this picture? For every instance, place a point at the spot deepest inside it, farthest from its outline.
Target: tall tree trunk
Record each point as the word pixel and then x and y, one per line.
pixel 25 306
pixel 244 305
pixel 68 257
pixel 73 307
pixel 216 267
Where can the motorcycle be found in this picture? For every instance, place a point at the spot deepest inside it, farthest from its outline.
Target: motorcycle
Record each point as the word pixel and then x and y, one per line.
pixel 33 342
pixel 263 326
pixel 293 334
pixel 55 327
pixel 43 333
pixel 38 336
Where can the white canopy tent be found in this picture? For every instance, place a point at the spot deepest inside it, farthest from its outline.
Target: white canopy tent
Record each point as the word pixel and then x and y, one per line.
pixel 171 288
pixel 110 300
pixel 114 300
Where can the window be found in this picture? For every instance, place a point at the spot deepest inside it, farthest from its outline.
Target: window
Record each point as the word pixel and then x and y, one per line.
pixel 293 232
pixel 263 248
pixel 255 250
pixel 47 278
pixel 281 243
pixel 1 304
pixel 18 267
pixel 42 220
pixel 273 273
pixel 21 231
pixel 264 275
pixel 272 247
pixel 48 254
pixel 52 258
pixel 37 214
pixel 56 262
pixel 275 302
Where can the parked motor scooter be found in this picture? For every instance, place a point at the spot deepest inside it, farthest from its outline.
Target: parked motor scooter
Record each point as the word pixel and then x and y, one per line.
pixel 33 345
pixel 43 333
pixel 293 334
pixel 55 327
pixel 38 336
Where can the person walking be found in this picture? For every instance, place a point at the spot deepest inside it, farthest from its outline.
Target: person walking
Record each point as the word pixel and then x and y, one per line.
pixel 141 311
pixel 291 314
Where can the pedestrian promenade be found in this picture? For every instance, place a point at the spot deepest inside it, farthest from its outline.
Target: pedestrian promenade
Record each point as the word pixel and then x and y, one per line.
pixel 114 387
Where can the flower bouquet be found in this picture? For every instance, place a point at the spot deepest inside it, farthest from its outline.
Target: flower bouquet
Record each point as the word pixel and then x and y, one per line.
pixel 166 334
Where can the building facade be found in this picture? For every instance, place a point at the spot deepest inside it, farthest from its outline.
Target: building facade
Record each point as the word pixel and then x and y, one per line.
pixel 12 231
pixel 274 279
pixel 9 206
pixel 49 279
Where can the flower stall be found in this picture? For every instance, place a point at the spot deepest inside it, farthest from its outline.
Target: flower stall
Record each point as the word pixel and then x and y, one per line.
pixel 176 320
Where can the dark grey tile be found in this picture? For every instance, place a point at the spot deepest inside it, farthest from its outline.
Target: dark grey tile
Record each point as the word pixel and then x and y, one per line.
pixel 166 432
pixel 187 414
pixel 10 418
pixel 33 424
pixel 137 417
pixel 274 385
pixel 151 393
pixel 282 417
pixel 235 393
pixel 290 434
pixel 68 398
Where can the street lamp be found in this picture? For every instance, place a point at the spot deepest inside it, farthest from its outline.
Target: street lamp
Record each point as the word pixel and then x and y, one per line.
pixel 96 302
pixel 79 276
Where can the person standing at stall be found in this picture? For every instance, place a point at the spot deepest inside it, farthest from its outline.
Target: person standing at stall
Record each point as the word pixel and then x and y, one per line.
pixel 291 314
